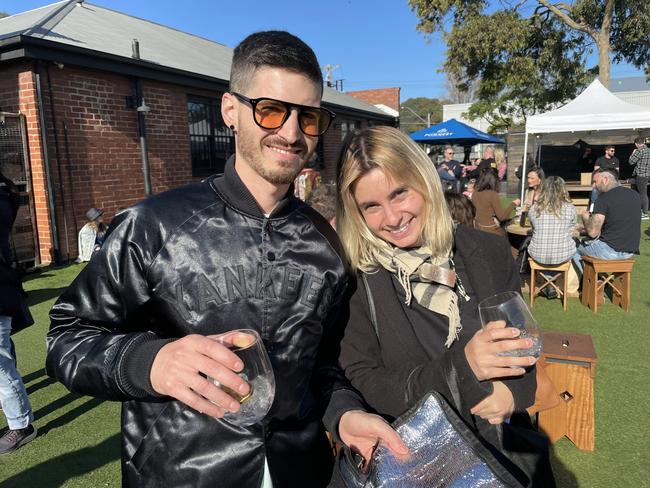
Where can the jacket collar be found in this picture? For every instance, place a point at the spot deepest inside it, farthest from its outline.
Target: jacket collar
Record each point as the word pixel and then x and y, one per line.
pixel 235 192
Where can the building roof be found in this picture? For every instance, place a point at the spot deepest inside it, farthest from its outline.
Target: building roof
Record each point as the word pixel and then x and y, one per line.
pixel 84 31
pixel 631 84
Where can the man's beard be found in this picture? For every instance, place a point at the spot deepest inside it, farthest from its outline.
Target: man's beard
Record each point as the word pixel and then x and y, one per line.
pixel 283 174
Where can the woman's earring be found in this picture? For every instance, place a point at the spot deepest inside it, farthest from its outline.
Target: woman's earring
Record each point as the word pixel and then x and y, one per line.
pixel 232 128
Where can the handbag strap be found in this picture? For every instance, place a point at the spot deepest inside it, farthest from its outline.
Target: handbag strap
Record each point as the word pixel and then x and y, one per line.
pixel 371 304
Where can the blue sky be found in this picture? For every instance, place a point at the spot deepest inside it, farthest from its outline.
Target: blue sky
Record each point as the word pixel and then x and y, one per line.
pixel 374 42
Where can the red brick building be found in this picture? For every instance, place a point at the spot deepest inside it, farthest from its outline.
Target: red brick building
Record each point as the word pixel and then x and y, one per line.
pixel 91 118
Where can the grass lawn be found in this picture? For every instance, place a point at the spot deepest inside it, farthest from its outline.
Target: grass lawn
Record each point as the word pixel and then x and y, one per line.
pixel 78 441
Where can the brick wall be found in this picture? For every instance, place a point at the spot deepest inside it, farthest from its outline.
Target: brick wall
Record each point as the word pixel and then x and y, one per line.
pixel 385 96
pixel 95 157
pixel 93 143
pixel 18 94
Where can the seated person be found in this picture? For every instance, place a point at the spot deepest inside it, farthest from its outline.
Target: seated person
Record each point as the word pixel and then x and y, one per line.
pixel 489 212
pixel 613 226
pixel 461 208
pixel 534 178
pixel 91 236
pixel 554 220
pixel 450 170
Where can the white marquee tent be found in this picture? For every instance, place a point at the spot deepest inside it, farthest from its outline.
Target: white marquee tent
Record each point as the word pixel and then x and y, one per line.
pixel 596 108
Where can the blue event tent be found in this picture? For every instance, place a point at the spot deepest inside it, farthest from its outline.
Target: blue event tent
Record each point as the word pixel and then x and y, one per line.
pixel 454 132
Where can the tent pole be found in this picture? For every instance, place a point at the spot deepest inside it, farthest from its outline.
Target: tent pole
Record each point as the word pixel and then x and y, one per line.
pixel 523 168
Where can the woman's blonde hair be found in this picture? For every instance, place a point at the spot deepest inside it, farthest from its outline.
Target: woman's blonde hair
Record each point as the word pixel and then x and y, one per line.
pixel 499 156
pixel 401 159
pixel 552 196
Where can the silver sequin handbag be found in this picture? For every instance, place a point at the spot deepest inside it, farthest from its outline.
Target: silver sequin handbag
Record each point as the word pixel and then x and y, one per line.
pixel 445 453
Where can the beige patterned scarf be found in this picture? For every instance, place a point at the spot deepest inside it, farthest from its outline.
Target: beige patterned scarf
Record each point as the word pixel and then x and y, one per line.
pixel 429 279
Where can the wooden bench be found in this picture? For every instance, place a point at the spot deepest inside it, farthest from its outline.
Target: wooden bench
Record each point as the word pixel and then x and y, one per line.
pixel 598 273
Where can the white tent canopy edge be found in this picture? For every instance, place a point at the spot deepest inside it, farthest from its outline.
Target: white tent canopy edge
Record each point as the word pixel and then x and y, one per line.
pixel 596 108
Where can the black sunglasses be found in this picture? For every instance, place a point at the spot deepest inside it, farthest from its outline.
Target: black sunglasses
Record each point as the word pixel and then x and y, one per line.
pixel 270 114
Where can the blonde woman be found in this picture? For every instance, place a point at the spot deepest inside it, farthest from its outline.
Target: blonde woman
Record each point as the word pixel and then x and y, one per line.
pixel 425 277
pixel 553 217
pixel 502 164
pixel 554 221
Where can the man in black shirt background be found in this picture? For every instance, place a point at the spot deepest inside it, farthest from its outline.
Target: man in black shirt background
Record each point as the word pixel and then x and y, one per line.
pixel 613 225
pixel 608 160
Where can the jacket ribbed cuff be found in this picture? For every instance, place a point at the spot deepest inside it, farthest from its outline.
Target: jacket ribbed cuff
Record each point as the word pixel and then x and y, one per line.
pixel 135 365
pixel 341 401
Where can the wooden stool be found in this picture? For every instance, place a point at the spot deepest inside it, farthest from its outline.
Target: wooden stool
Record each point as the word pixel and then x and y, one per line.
pixel 616 273
pixel 570 362
pixel 558 270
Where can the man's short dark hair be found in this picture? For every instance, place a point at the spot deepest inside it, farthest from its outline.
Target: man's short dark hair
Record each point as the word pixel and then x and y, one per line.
pixel 609 146
pixel 274 49
pixel 639 140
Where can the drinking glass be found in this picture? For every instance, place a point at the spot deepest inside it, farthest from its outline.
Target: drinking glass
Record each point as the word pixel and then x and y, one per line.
pixel 257 372
pixel 510 306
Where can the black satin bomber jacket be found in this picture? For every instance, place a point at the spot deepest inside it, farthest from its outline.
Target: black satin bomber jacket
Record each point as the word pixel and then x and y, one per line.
pixel 203 259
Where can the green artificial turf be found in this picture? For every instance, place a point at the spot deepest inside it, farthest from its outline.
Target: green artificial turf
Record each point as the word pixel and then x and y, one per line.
pixel 78 441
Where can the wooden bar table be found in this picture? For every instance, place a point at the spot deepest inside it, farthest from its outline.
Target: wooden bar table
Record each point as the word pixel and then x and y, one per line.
pixel 570 361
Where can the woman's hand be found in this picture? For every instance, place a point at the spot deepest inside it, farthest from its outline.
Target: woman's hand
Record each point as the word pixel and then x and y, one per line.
pixel 360 431
pixel 482 352
pixel 497 407
pixel 517 202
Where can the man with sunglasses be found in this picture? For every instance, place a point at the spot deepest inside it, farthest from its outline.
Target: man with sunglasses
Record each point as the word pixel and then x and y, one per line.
pixel 608 160
pixel 234 251
pixel 450 171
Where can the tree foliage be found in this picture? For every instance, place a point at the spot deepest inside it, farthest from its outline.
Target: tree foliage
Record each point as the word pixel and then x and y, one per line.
pixel 527 63
pixel 3 14
pixel 425 108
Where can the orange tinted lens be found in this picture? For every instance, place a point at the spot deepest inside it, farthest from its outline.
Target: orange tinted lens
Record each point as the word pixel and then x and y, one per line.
pixel 313 122
pixel 270 114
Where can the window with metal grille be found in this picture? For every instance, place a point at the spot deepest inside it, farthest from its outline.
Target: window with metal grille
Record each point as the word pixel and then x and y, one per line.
pixel 211 142
pixel 347 126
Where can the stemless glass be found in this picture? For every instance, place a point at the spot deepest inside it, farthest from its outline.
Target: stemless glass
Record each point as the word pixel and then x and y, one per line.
pixel 510 306
pixel 257 372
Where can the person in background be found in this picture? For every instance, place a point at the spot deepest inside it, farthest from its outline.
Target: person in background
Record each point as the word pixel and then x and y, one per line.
pixel 534 178
pixel 450 170
pixel 586 161
pixel 323 200
pixel 554 221
pixel 426 278
pixel 613 226
pixel 487 161
pixel 640 159
pixel 489 212
pixel 233 251
pixel 461 209
pixel 8 212
pixel 14 316
pixel 471 186
pixel 91 236
pixel 608 160
pixel 501 162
